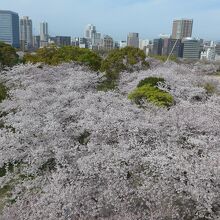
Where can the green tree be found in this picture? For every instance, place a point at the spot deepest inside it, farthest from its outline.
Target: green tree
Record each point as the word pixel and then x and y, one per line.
pixel 124 59
pixel 119 60
pixel 8 56
pixel 53 56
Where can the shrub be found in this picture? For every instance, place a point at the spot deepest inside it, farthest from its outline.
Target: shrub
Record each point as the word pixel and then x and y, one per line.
pixel 152 94
pixel 152 81
pixel 147 89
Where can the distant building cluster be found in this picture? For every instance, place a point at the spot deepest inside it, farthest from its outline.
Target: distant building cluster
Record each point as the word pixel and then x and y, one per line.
pixel 181 44
pixel 19 33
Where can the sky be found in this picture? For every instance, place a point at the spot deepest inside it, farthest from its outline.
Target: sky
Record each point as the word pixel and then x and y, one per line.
pixel 119 17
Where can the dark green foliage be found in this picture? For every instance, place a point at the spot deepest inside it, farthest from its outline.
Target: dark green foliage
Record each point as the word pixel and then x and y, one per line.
pixel 3 92
pixel 49 165
pixel 5 190
pixel 91 59
pixel 119 60
pixel 147 89
pixel 84 138
pixel 3 171
pixel 3 114
pixel 12 201
pixel 152 81
pixel 152 94
pixel 7 167
pixel 107 85
pixel 10 167
pixel 8 56
pixel 124 59
pixel 53 56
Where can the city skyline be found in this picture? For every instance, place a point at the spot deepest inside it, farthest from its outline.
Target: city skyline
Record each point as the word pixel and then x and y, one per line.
pixel 119 18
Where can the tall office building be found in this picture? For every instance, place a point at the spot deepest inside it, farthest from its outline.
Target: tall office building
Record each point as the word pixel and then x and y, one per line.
pixel 143 44
pixel 175 48
pixel 108 43
pixel 96 39
pixel 89 31
pixel 26 35
pixel 182 28
pixel 167 46
pixel 133 40
pixel 36 42
pixel 191 48
pixel 9 28
pixel 157 47
pixel 217 48
pixel 81 42
pixel 44 36
pixel 62 41
pixel 93 37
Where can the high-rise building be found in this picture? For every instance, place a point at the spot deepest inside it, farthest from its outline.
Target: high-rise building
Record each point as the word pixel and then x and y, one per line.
pixel 157 46
pixel 81 42
pixel 209 51
pixel 143 43
pixel 26 36
pixel 62 41
pixel 36 42
pixel 44 36
pixel 96 38
pixel 217 48
pixel 89 31
pixel 9 28
pixel 93 37
pixel 191 48
pixel 108 43
pixel 133 40
pixel 182 28
pixel 167 46
pixel 175 48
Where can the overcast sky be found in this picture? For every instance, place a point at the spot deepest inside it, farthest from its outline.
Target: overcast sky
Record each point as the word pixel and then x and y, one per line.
pixel 118 17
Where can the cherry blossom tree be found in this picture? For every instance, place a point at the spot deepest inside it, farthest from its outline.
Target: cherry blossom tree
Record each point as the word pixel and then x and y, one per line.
pixel 80 154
